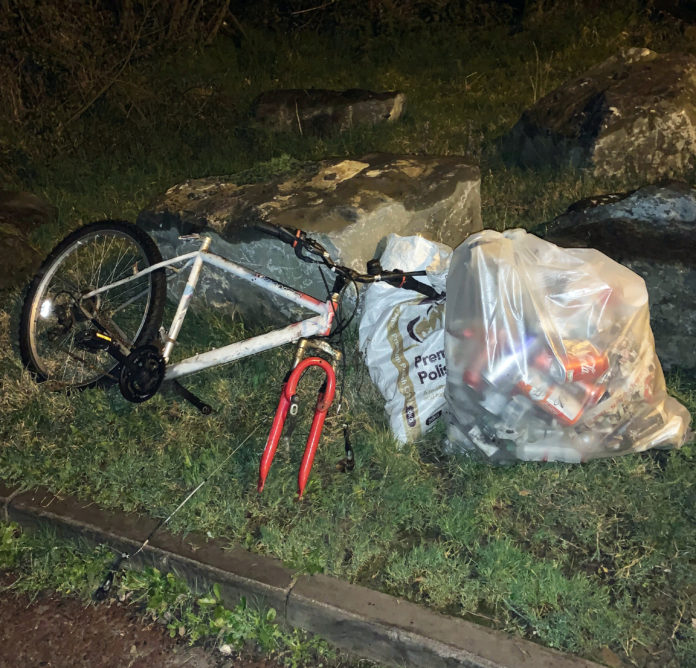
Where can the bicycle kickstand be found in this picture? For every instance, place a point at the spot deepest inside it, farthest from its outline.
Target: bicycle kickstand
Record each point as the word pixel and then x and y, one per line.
pixel 287 399
pixel 189 396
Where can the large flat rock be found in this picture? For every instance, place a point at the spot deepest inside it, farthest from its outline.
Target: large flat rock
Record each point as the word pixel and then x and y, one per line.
pixel 348 205
pixel 633 114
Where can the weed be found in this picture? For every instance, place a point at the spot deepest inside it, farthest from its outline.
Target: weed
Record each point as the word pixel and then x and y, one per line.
pixel 11 546
pixel 42 561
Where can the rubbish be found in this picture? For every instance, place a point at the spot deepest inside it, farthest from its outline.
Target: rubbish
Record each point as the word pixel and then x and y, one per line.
pixel 567 401
pixel 550 355
pixel 402 338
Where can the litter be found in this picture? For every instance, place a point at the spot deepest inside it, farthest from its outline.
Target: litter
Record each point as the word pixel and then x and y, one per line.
pixel 550 355
pixel 402 338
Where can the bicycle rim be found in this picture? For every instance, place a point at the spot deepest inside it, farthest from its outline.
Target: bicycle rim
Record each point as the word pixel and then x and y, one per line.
pixel 59 314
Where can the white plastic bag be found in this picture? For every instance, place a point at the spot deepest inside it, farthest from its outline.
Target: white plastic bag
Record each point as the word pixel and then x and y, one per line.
pixel 550 354
pixel 402 337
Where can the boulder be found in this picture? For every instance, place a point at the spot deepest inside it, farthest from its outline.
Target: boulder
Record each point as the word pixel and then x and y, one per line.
pixel 652 231
pixel 326 112
pixel 632 115
pixel 20 213
pixel 350 206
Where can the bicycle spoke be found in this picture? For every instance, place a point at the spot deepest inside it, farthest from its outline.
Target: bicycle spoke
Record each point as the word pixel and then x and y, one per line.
pixel 131 300
pixel 95 260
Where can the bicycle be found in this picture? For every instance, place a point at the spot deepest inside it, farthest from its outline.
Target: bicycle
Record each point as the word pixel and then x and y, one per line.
pixel 93 315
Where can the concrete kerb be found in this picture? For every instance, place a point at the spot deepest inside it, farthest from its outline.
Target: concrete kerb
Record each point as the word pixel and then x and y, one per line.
pixel 362 621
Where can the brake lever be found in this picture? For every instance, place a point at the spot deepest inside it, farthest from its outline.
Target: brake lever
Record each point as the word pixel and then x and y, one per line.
pixel 313 248
pixel 299 247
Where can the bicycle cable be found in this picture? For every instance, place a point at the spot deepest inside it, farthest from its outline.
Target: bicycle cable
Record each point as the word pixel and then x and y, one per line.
pixel 346 323
pixel 348 463
pixel 103 590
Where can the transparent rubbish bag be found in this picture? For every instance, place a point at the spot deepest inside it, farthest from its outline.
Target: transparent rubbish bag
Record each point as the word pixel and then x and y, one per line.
pixel 550 355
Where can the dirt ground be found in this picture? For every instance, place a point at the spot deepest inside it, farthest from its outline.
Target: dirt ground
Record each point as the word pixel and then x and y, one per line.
pixel 58 632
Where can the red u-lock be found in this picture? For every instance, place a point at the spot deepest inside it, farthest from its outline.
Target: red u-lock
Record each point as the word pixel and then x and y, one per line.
pixel 324 400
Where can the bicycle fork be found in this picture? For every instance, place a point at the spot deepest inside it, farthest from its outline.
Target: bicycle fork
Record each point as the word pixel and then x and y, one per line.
pixel 288 404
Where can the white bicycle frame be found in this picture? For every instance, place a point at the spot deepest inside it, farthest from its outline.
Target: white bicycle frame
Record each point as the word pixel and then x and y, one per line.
pixel 318 325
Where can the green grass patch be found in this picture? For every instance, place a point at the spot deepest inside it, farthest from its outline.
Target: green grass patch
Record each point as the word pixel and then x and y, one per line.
pixel 576 557
pixel 42 561
pixel 581 558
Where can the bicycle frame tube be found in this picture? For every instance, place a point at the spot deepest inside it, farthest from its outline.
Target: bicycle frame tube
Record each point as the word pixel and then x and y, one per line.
pixel 180 314
pixel 269 284
pixel 319 324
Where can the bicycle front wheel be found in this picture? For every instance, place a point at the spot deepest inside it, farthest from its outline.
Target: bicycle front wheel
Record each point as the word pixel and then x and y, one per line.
pixel 58 314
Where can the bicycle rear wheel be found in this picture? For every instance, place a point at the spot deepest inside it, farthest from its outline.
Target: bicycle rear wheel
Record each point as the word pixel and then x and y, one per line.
pixel 56 316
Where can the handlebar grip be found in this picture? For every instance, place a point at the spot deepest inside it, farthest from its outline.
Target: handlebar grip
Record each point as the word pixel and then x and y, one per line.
pixel 277 231
pixel 410 283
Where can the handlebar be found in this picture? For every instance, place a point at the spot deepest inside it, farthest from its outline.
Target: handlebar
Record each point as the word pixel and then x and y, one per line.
pixel 282 233
pixel 301 242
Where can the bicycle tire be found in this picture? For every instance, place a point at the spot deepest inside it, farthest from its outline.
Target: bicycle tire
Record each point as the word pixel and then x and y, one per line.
pixel 93 256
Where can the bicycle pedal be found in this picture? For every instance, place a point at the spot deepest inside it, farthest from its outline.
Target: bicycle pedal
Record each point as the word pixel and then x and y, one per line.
pixel 93 341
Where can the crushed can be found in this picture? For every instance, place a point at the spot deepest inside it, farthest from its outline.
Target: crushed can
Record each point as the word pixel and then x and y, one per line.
pixel 566 401
pixel 581 361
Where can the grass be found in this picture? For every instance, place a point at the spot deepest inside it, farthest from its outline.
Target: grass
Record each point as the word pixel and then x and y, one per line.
pixel 42 561
pixel 575 557
pixel 589 559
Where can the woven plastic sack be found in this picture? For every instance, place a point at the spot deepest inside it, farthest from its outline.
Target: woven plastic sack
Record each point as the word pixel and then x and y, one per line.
pixel 402 337
pixel 550 354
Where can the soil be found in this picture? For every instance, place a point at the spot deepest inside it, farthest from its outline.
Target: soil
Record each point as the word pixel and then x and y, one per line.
pixel 61 632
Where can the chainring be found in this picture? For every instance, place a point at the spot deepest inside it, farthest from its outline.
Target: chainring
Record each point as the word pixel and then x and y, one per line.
pixel 142 374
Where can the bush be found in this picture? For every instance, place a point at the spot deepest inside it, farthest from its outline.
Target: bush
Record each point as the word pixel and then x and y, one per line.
pixel 58 59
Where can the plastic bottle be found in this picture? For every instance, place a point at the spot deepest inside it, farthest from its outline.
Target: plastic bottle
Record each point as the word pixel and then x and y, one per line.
pixel 546 451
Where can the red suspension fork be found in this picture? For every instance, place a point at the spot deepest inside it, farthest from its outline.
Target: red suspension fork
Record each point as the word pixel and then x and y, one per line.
pixel 324 399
